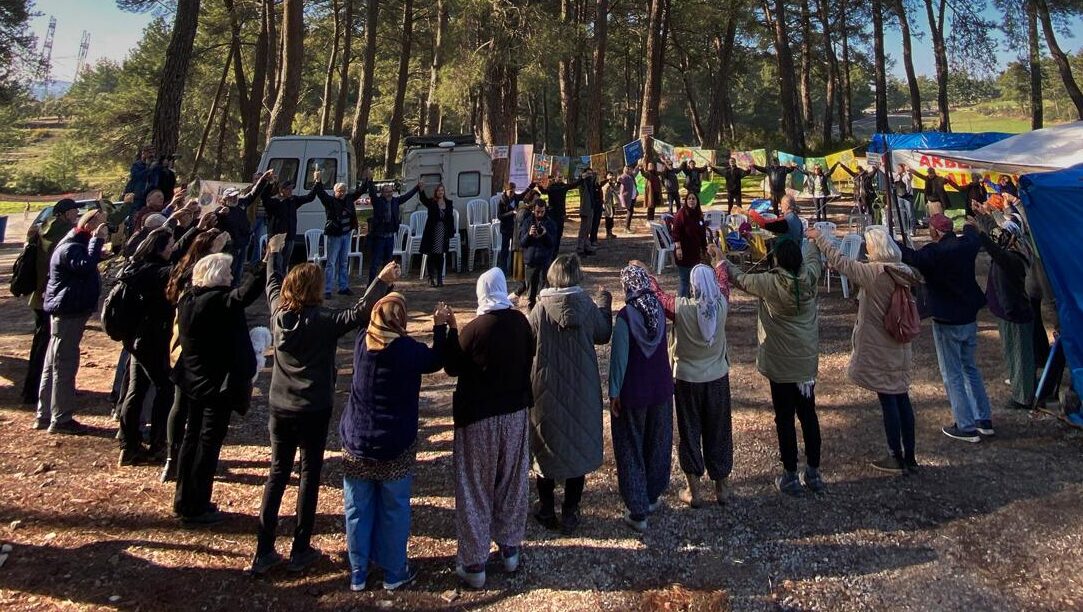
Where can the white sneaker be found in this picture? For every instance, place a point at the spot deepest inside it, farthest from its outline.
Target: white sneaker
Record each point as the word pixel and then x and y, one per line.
pixel 640 526
pixel 655 506
pixel 511 564
pixel 474 580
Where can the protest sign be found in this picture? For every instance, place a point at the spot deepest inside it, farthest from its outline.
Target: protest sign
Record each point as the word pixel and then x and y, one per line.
pixel 210 192
pixel 959 172
pixel 500 152
pixel 598 163
pixel 633 152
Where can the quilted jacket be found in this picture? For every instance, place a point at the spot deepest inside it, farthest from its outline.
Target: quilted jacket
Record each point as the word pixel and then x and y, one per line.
pixel 566 420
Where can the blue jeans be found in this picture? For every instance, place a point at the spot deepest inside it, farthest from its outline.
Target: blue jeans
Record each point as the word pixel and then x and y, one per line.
pixel 338 247
pixel 955 349
pixel 382 248
pixel 684 286
pixel 377 526
pixel 898 424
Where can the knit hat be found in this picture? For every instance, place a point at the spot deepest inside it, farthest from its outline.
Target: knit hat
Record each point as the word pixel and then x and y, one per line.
pixel 154 221
pixel 941 223
pixel 64 206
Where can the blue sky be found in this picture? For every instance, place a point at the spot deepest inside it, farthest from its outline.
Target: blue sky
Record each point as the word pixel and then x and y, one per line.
pixel 113 32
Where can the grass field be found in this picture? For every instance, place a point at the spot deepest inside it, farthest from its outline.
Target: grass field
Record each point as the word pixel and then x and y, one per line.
pixel 11 208
pixel 969 120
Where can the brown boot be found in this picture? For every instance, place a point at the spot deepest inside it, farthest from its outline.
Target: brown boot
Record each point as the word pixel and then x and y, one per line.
pixel 722 491
pixel 693 495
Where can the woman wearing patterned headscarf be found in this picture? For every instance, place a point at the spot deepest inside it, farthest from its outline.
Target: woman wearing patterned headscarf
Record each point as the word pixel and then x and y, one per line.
pixel 640 398
pixel 379 439
pixel 701 369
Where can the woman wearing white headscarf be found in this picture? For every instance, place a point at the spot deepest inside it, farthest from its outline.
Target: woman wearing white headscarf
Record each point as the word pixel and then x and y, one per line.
pixel 701 369
pixel 492 358
pixel 640 398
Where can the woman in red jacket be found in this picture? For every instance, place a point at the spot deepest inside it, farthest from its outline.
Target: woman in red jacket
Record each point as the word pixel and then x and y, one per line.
pixel 690 240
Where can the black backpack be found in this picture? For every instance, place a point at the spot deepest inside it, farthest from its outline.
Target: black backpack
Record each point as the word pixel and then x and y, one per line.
pixel 122 311
pixel 24 274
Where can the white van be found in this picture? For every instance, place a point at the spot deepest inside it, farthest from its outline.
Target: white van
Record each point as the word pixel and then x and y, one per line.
pixel 295 158
pixel 460 163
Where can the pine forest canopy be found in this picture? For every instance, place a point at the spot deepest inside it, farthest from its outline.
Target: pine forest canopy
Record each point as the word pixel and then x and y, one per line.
pixel 213 79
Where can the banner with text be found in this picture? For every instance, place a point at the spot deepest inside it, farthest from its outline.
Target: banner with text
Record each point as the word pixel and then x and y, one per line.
pixel 520 157
pixel 959 172
pixel 633 152
pixel 210 192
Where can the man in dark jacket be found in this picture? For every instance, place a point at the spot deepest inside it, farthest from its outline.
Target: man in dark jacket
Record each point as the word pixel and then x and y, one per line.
pixel 671 185
pixel 776 180
pixel 337 231
pixel 536 237
pixel 505 213
pixel 51 232
pixel 733 175
pixel 281 211
pixel 384 226
pixel 693 176
pixel 1006 296
pixel 142 176
pixel 589 202
pixel 558 203
pixel 936 191
pixel 71 296
pixel 974 192
pixel 947 263
pixel 233 219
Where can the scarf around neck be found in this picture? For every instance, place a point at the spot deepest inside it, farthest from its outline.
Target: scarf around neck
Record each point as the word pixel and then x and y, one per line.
pixel 708 297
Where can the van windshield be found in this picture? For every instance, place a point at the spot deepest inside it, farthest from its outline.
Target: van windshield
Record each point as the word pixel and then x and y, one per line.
pixel 285 168
pixel 328 167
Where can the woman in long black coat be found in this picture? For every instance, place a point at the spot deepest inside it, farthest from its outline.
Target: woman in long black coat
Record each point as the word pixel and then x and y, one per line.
pixel 439 228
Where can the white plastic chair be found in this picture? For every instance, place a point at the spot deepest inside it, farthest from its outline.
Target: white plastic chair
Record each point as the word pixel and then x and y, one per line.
pixel 663 247
pixel 828 270
pixel 714 218
pixel 417 228
pixel 356 253
pixel 316 246
pixel 482 240
pixel 494 240
pixel 477 212
pixel 826 228
pixel 402 246
pixel 494 206
pixel 850 248
pixel 477 226
pixel 455 246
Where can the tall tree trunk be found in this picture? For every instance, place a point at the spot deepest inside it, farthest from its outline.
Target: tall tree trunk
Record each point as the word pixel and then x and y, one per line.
pixel 1034 67
pixel 344 67
pixel 806 65
pixel 293 30
pixel 880 67
pixel 249 96
pixel 432 108
pixel 652 85
pixel 940 59
pixel 720 116
pixel 566 80
pixel 394 129
pixel 1060 58
pixel 167 106
pixel 500 92
pixel 791 111
pixel 210 115
pixel 832 72
pixel 908 66
pixel 326 113
pixel 846 101
pixel 690 99
pixel 364 96
pixel 219 151
pixel 596 99
pixel 274 53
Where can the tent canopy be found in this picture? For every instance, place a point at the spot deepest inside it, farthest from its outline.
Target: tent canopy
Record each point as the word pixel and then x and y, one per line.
pixel 941 141
pixel 1053 202
pixel 1052 148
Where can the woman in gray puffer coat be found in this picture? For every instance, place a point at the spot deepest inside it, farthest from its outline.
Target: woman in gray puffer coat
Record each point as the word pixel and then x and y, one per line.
pixel 566 420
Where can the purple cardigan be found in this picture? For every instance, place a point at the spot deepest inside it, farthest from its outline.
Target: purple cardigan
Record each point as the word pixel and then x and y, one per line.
pixel 381 416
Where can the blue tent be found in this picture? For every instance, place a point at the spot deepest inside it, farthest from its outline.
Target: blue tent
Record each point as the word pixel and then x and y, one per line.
pixel 1053 202
pixel 940 141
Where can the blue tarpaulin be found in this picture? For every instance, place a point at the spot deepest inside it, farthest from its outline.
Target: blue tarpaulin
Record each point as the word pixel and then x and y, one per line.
pixel 939 141
pixel 1053 202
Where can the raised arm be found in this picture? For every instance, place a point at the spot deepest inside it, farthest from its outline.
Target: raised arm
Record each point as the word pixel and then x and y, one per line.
pixel 250 289
pixel 359 316
pixel 846 169
pixel 860 273
pixel 431 360
pixel 274 281
pixel 321 193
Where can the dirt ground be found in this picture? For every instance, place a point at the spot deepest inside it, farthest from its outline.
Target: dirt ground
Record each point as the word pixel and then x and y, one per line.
pixel 997 525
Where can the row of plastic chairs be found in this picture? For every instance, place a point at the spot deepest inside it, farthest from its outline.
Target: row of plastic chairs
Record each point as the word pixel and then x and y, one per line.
pixel 316 247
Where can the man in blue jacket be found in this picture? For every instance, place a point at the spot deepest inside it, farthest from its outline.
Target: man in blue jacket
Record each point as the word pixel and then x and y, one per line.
pixel 537 237
pixel 947 263
pixel 384 225
pixel 71 296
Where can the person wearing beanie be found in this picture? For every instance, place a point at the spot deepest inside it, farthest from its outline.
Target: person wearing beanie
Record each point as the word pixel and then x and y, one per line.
pixel 947 263
pixel 47 236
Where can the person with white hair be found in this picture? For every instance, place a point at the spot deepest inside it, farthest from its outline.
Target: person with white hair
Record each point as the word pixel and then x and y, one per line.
pixel 880 362
pixel 337 230
pixel 233 218
pixel 214 372
pixel 491 358
pixel 1006 296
